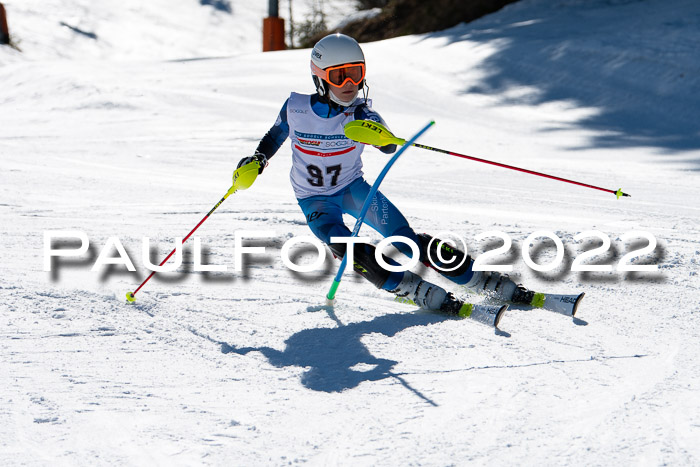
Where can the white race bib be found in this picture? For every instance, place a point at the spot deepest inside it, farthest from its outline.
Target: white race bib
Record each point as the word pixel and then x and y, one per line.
pixel 324 161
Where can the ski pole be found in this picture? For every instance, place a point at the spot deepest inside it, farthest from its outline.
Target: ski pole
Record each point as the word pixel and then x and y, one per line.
pixel 365 207
pixel 243 178
pixel 376 134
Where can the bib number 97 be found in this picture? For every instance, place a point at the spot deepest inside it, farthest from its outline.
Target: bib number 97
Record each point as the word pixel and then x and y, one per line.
pixel 317 175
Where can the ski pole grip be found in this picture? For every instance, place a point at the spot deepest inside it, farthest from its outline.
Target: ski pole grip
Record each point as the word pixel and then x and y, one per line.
pixel 372 133
pixel 243 177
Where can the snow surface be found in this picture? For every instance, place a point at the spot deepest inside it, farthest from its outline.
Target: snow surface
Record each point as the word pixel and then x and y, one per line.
pixel 136 136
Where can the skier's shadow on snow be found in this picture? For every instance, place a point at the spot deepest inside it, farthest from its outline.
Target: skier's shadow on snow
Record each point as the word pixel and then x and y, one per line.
pixel 336 357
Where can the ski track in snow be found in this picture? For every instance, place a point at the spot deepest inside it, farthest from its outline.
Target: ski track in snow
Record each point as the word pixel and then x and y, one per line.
pixel 249 367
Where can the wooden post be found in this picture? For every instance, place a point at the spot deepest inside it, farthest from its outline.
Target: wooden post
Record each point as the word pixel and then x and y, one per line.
pixel 273 29
pixel 273 34
pixel 4 31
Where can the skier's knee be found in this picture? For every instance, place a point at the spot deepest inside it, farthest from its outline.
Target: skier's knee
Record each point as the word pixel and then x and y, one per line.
pixel 442 257
pixel 408 233
pixel 365 264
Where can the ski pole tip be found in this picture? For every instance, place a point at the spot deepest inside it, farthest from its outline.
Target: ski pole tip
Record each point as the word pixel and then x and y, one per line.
pixel 130 297
pixel 619 193
pixel 329 302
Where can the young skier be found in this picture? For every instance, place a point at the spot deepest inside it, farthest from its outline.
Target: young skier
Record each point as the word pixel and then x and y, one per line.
pixel 327 179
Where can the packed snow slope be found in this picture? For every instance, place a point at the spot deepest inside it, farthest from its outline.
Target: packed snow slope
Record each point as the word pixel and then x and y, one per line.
pixel 153 30
pixel 245 367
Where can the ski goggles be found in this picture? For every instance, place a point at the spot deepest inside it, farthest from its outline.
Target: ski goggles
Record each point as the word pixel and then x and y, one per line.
pixel 339 75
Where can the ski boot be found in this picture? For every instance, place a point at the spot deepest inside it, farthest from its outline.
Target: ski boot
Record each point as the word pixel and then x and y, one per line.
pixel 413 289
pixel 501 287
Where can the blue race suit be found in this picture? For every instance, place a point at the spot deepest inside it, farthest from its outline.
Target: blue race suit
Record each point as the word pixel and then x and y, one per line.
pixel 327 189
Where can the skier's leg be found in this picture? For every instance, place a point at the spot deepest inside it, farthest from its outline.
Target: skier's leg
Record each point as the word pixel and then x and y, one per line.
pixel 493 283
pixel 455 264
pixel 386 219
pixel 324 216
pixel 382 216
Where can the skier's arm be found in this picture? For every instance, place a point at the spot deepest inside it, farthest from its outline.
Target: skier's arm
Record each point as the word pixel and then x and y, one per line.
pixel 271 142
pixel 276 136
pixel 364 112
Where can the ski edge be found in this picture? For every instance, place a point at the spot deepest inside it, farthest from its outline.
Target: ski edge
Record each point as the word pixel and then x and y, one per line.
pixel 474 311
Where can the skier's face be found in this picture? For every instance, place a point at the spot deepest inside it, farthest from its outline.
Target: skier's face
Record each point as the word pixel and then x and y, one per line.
pixel 345 93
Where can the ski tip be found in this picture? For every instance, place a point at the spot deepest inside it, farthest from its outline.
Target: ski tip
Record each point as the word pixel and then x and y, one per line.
pixel 130 297
pixel 577 303
pixel 499 315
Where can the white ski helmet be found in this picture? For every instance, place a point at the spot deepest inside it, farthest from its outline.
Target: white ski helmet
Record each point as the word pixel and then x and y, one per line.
pixel 332 51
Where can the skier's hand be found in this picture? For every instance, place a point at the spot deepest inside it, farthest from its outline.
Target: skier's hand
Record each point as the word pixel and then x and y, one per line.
pixel 256 157
pixel 388 149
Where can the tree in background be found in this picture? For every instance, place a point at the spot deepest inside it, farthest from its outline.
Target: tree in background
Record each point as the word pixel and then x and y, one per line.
pixel 312 27
pixel 400 18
